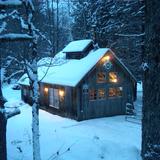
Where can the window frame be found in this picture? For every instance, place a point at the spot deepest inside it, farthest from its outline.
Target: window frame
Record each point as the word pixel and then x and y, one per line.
pixel 104 94
pixel 98 79
pixel 94 94
pixel 117 90
pixel 117 77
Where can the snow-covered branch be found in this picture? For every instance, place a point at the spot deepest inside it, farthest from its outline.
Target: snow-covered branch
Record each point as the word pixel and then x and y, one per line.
pixel 130 35
pixel 11 59
pixel 3 27
pixel 13 14
pixel 10 114
pixel 43 36
pixel 11 3
pixel 15 37
pixel 13 74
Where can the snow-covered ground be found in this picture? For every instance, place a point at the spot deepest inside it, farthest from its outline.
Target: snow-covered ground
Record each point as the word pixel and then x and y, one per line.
pixel 110 138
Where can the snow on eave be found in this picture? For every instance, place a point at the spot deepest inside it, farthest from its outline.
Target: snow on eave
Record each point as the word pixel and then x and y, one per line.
pixel 10 3
pixel 124 66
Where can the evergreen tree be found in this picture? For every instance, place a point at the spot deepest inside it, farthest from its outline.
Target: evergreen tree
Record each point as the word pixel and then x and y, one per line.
pixel 118 25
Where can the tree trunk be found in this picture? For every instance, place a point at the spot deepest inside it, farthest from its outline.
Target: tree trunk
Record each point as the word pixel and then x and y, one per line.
pixel 32 71
pixel 151 93
pixel 3 123
pixel 3 150
pixel 35 117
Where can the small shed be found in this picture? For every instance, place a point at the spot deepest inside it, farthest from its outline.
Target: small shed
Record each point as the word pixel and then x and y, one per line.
pixel 82 82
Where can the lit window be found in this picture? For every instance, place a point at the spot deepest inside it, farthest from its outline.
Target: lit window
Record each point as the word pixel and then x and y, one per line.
pixel 101 77
pixel 46 90
pixel 101 93
pixel 92 94
pixel 61 93
pixel 106 58
pixel 115 92
pixel 113 77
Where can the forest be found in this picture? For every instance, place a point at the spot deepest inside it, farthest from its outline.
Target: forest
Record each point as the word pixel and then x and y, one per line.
pixel 118 25
pixel 31 30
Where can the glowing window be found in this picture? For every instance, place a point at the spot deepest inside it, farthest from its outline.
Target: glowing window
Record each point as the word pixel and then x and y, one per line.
pixel 92 94
pixel 115 92
pixel 101 77
pixel 113 77
pixel 101 93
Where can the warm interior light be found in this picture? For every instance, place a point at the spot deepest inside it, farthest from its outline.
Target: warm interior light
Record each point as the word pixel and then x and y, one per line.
pixel 106 58
pixel 115 80
pixel 113 77
pixel 61 93
pixel 46 89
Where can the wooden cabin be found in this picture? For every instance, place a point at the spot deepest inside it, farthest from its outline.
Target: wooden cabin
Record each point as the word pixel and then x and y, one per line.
pixel 82 83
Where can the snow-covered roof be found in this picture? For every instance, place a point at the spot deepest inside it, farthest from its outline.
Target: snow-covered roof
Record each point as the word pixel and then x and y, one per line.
pixel 77 46
pixel 66 72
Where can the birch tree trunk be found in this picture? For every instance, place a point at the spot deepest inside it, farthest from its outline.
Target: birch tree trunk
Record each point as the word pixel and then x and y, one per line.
pixel 35 113
pixel 151 98
pixel 32 71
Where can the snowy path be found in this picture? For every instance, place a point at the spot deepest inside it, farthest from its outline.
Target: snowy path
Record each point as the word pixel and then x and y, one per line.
pixel 110 138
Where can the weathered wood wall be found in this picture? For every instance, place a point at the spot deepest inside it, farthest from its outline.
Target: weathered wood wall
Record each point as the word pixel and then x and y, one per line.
pixel 110 105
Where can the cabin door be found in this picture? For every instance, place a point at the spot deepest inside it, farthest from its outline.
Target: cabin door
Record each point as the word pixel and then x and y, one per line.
pixel 53 98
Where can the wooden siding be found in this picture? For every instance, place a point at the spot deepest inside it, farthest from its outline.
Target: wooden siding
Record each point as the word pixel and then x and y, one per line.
pixel 67 106
pixel 110 105
pixel 76 103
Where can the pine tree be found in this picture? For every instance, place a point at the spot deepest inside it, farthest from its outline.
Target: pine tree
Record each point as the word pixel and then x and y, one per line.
pixel 118 25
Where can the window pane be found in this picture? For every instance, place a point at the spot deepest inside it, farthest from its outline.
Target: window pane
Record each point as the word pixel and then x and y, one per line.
pixel 115 92
pixel 113 77
pixel 112 92
pixel 92 94
pixel 101 77
pixel 119 91
pixel 101 93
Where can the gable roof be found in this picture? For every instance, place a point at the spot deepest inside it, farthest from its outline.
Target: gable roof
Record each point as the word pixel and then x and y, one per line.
pixel 77 46
pixel 67 72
